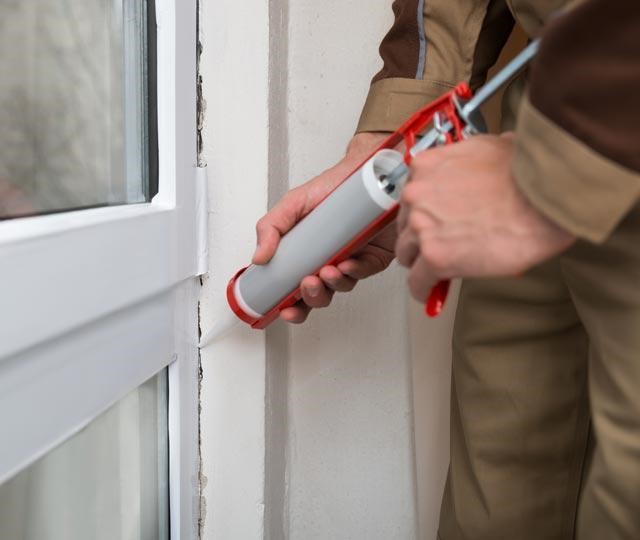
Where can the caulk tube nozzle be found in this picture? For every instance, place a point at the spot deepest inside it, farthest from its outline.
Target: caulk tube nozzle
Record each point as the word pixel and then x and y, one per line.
pixel 222 326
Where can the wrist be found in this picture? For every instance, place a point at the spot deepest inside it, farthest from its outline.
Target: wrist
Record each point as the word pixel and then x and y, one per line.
pixel 362 144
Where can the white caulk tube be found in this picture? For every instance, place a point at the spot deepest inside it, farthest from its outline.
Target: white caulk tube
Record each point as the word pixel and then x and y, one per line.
pixel 258 293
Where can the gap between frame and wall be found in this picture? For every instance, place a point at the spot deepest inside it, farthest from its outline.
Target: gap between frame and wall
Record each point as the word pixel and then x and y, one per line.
pixel 235 145
pixel 243 391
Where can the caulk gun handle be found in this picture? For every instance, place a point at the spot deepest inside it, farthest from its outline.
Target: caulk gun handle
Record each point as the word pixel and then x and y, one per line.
pixel 436 299
pixel 438 295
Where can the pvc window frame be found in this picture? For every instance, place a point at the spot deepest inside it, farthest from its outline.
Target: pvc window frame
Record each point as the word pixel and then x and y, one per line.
pixel 94 302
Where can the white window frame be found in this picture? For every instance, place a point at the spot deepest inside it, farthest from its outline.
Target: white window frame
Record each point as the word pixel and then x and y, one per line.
pixel 95 302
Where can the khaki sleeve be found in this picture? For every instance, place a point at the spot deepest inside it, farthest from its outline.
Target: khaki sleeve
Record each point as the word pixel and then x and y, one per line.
pixel 577 157
pixel 432 46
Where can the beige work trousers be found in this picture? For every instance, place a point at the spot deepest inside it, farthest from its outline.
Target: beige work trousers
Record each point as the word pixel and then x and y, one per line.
pixel 545 409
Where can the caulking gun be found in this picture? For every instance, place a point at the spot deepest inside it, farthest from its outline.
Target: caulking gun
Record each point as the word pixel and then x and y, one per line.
pixel 363 204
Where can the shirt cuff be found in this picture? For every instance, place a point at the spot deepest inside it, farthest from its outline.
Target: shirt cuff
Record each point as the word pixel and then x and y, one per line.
pixel 392 101
pixel 577 188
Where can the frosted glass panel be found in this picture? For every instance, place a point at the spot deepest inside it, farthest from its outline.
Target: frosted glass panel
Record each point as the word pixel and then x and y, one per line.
pixel 108 482
pixel 73 104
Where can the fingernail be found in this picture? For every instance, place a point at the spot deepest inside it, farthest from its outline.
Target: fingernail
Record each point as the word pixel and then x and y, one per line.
pixel 314 292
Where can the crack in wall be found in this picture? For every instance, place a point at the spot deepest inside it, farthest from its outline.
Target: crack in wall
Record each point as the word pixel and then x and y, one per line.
pixel 201 104
pixel 200 117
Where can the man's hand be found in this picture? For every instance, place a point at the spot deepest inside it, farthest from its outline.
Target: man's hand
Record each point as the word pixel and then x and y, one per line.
pixel 463 216
pixel 316 291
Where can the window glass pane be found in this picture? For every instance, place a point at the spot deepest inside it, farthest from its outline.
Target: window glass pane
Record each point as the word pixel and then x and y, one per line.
pixel 73 104
pixel 108 482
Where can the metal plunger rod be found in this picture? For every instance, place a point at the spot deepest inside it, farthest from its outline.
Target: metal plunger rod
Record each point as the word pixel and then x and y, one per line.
pixel 501 78
pixel 479 99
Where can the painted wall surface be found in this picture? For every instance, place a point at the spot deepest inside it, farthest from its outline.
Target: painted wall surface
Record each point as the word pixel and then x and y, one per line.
pixel 350 450
pixel 235 38
pixel 335 436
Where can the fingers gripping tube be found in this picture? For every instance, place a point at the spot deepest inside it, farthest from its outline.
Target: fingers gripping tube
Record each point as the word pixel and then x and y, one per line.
pixel 340 225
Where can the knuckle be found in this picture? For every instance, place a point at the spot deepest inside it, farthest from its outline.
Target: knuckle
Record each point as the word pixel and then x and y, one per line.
pixel 406 262
pixel 378 262
pixel 405 251
pixel 409 194
pixel 357 272
pixel 287 204
pixel 291 195
pixel 436 257
pixel 346 285
pixel 337 285
pixel 323 300
pixel 262 224
pixel 349 286
pixel 402 258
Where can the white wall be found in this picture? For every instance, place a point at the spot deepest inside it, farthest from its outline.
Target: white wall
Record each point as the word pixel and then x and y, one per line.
pixel 350 454
pixel 335 433
pixel 235 67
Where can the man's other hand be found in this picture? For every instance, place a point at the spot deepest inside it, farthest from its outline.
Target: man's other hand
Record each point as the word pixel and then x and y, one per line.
pixel 462 215
pixel 316 291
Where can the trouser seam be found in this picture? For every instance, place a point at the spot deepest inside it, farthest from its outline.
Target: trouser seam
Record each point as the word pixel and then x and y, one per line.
pixel 580 455
pixel 572 506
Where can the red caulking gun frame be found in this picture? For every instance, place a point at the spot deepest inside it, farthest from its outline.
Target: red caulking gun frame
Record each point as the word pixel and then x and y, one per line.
pixel 363 204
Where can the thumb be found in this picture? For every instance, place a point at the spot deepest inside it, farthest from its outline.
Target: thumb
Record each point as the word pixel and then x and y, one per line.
pixel 276 223
pixel 267 243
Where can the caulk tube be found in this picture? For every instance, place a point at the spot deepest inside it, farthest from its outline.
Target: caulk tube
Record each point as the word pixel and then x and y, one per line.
pixel 354 211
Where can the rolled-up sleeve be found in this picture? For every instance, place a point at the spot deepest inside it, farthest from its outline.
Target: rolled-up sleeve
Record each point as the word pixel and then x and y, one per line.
pixel 577 155
pixel 432 46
